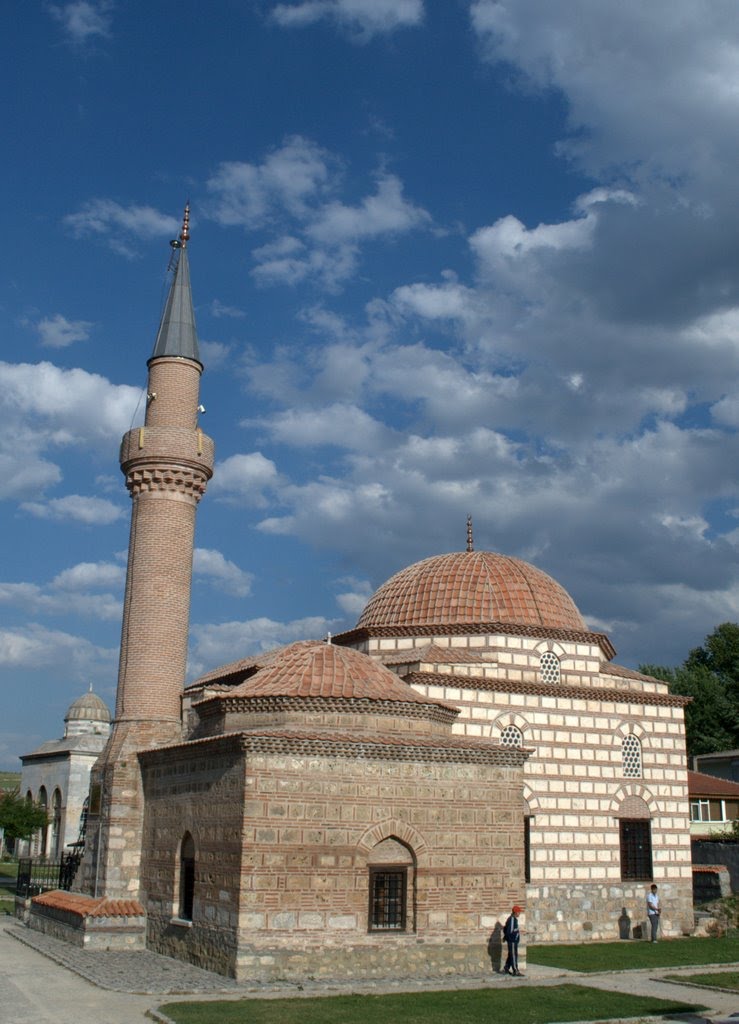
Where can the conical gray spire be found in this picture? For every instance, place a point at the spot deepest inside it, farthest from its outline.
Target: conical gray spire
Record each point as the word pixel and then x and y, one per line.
pixel 177 335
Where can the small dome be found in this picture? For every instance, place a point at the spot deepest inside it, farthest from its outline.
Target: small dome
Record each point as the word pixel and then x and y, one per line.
pixel 472 587
pixel 312 668
pixel 88 708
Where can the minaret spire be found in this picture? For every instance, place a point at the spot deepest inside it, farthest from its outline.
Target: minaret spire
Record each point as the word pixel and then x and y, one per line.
pixel 177 334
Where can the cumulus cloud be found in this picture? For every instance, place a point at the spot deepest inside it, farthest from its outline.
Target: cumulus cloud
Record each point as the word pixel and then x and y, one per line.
pixel 226 575
pixel 89 589
pixel 84 20
pixel 58 332
pixel 34 647
pixel 214 645
pixel 120 226
pixel 246 477
pixel 362 19
pixel 77 508
pixel 313 234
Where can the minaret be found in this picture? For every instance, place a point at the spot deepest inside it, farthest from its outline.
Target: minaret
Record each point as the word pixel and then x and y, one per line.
pixel 167 464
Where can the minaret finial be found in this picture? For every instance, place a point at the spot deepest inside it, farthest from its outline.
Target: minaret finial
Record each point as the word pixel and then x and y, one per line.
pixel 470 545
pixel 185 233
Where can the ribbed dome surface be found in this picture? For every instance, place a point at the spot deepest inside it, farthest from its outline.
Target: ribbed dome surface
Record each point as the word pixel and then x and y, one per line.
pixel 311 668
pixel 88 708
pixel 472 587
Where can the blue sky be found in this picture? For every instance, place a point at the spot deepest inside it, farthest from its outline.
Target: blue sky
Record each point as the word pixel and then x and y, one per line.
pixel 448 257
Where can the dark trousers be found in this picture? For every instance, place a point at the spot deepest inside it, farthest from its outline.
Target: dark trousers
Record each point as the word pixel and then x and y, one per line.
pixel 511 963
pixel 654 922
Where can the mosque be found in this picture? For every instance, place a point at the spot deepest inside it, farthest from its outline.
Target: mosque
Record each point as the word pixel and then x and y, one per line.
pixel 372 804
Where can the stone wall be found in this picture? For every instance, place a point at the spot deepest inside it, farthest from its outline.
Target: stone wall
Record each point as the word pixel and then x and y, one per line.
pixel 719 853
pixel 283 843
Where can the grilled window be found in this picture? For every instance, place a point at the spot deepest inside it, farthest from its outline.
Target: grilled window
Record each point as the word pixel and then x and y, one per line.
pixel 549 667
pixel 387 900
pixel 636 849
pixel 527 848
pixel 187 877
pixel 631 756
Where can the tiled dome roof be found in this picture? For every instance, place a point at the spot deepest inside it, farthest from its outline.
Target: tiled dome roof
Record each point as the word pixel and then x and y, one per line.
pixel 88 708
pixel 472 587
pixel 312 668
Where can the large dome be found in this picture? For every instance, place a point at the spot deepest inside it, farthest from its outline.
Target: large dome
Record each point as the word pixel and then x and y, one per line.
pixel 469 587
pixel 88 708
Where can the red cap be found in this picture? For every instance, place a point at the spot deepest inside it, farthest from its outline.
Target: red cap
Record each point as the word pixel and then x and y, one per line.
pixel 517 910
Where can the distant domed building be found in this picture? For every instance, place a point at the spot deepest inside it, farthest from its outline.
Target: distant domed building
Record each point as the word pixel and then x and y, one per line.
pixel 57 774
pixel 371 806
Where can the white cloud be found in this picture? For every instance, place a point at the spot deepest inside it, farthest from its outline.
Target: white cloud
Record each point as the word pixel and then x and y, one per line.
pixel 341 425
pixel 47 408
pixel 58 332
pixel 77 508
pixel 363 19
pixel 220 644
pixel 74 591
pixel 83 20
pixel 90 576
pixel 33 647
pixel 245 476
pixel 120 225
pixel 313 235
pixel 214 566
pixel 219 309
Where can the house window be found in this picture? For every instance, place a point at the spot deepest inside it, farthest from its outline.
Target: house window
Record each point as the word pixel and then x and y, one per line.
pixel 631 756
pixel 187 877
pixel 549 667
pixel 511 736
pixel 700 810
pixel 387 899
pixel 636 849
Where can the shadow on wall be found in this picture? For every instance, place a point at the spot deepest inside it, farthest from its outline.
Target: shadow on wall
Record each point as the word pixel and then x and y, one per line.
pixel 495 948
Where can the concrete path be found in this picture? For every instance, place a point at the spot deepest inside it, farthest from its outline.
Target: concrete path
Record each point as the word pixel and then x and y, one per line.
pixel 43 981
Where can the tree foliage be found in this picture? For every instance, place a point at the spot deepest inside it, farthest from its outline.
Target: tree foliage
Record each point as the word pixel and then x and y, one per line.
pixel 710 675
pixel 19 817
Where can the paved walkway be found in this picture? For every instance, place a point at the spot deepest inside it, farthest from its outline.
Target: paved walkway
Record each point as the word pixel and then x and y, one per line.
pixel 44 981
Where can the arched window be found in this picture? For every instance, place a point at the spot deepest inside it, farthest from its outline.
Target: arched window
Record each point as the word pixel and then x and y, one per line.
pixel 511 736
pixel 549 667
pixel 187 877
pixel 391 867
pixel 631 756
pixel 56 822
pixel 43 836
pixel 635 828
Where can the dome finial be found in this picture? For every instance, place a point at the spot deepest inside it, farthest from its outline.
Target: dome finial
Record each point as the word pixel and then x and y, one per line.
pixel 185 233
pixel 470 545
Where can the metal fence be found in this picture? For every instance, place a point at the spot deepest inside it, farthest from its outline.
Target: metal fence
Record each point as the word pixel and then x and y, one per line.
pixel 36 875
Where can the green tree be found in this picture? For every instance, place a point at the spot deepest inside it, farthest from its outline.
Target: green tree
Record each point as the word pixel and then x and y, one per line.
pixel 19 817
pixel 710 675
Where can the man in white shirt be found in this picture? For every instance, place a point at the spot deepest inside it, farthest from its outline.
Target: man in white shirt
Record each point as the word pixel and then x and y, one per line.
pixel 653 910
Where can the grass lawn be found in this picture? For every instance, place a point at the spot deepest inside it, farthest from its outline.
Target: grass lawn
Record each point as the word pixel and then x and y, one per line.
pixel 525 1006
pixel 721 979
pixel 635 954
pixel 8 869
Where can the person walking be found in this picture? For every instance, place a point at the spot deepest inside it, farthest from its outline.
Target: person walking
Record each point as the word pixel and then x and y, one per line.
pixel 512 935
pixel 654 910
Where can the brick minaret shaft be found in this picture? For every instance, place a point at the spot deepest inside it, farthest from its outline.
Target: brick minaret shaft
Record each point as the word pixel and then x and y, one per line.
pixel 167 464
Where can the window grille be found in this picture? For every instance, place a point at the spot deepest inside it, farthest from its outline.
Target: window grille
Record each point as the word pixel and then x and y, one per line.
pixel 187 877
pixel 549 667
pixel 636 849
pixel 631 756
pixel 511 736
pixel 527 848
pixel 387 900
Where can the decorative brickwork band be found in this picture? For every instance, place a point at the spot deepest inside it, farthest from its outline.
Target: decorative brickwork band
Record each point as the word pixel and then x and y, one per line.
pixel 167 482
